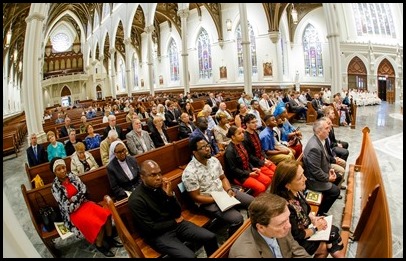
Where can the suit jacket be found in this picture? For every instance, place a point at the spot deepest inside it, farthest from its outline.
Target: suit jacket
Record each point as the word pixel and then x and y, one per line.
pixel 316 165
pixel 184 131
pixel 118 129
pixel 157 139
pixel 250 244
pixel 171 119
pixel 64 131
pixel 317 104
pixel 134 144
pixel 42 156
pixel 210 102
pixel 119 181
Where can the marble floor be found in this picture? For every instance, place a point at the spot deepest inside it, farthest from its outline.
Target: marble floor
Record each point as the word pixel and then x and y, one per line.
pixel 385 122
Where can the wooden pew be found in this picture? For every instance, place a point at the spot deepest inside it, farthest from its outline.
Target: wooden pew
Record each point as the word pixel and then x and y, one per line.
pixel 373 231
pixel 45 172
pixel 97 185
pixel 224 250
pixel 311 114
pixel 9 144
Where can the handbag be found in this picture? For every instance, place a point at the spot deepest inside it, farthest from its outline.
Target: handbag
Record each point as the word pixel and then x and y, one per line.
pixel 47 213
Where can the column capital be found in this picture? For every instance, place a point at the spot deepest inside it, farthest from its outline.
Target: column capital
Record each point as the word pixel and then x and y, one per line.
pixel 94 62
pixel 274 36
pixel 112 50
pixel 183 13
pixel 149 29
pixel 101 57
pixel 36 16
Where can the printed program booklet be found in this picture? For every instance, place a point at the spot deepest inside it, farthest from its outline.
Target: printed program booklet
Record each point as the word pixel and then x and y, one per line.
pixel 223 200
pixel 322 234
pixel 63 231
pixel 313 197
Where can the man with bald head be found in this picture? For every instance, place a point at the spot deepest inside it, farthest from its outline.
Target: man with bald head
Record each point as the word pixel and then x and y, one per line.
pixel 158 215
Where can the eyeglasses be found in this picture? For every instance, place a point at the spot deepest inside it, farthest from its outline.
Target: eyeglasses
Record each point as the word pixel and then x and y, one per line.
pixel 207 146
pixel 121 151
pixel 154 175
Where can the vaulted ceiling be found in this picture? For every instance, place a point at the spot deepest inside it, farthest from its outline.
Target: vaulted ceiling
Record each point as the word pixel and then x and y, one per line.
pixel 14 16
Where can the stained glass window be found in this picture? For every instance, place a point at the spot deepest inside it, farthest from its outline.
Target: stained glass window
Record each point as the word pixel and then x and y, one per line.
pixel 312 52
pixel 253 49
pixel 204 55
pixel 61 42
pixel 373 19
pixel 135 68
pixel 173 61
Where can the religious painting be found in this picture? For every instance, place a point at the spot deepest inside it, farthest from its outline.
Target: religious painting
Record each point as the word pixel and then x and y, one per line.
pixel 223 72
pixel 267 69
pixel 161 80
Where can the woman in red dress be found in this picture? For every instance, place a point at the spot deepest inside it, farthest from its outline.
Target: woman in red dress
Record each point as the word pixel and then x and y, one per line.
pixel 80 215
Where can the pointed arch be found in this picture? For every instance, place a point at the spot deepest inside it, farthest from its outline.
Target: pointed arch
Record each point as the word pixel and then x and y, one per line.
pixel 357 74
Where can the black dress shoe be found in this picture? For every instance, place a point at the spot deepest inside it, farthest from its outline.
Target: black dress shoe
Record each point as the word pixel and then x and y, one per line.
pixel 105 251
pixel 113 243
pixel 343 187
pixel 340 197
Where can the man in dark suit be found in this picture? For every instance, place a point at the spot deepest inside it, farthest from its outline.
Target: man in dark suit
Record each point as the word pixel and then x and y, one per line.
pixel 36 154
pixel 317 169
pixel 318 105
pixel 66 128
pixel 171 115
pixel 113 126
pixel 123 171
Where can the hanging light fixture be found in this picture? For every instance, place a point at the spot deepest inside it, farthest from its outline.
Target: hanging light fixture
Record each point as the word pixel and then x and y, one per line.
pixel 293 12
pixel 229 25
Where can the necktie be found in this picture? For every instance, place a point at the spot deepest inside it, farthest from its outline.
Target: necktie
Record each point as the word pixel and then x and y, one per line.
pixel 275 248
pixel 35 152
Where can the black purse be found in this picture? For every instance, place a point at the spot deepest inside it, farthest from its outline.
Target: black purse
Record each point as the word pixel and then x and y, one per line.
pixel 47 213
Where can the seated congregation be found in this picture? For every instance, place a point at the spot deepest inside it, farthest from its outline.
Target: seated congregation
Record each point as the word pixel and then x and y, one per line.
pixel 161 172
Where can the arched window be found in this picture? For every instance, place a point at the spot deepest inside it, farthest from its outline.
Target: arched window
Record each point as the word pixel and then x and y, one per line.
pixel 204 55
pixel 373 19
pixel 173 61
pixel 253 49
pixel 312 52
pixel 284 53
pixel 135 68
pixel 122 73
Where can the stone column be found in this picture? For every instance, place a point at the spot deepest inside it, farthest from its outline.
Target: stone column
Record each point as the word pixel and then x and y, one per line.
pixel 183 14
pixel 246 53
pixel 149 29
pixel 32 89
pixel 93 84
pixel 113 72
pixel 128 69
pixel 333 36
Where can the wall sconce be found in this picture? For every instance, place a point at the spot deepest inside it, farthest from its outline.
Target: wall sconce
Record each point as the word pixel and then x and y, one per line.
pixel 229 25
pixel 8 37
pixel 293 12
